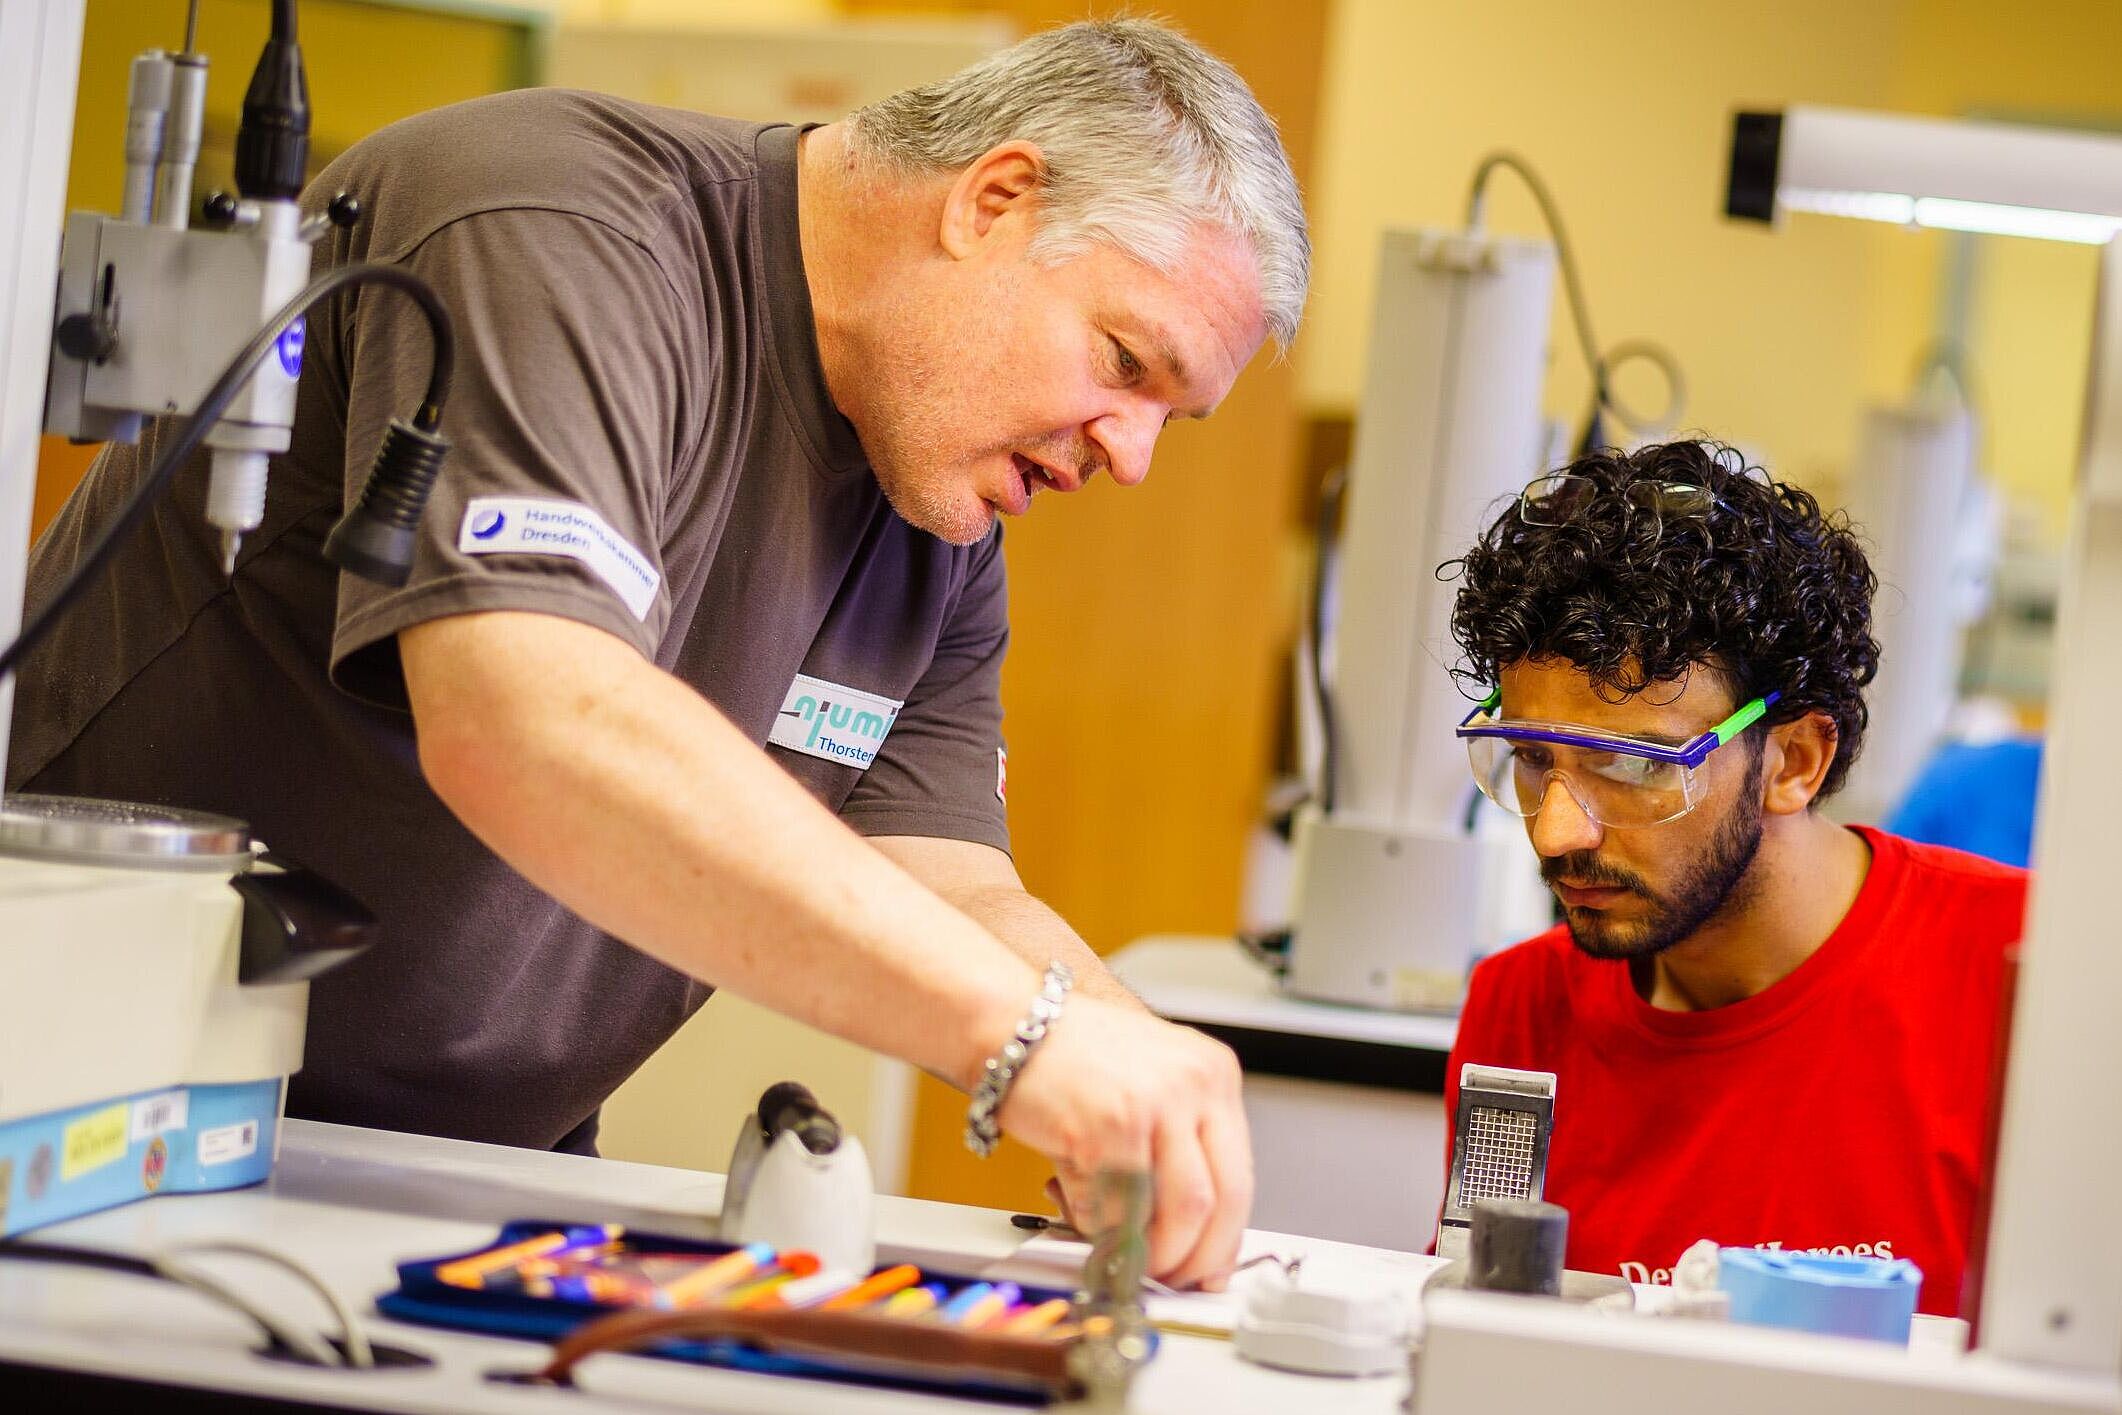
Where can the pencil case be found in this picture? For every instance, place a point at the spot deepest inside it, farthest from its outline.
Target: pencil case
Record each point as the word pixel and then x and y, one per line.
pixel 862 1346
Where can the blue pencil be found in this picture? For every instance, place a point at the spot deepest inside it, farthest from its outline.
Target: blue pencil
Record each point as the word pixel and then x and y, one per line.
pixel 958 1306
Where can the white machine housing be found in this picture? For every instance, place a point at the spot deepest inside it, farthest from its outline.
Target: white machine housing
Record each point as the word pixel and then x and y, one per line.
pixel 147 963
pixel 1395 892
pixel 1920 505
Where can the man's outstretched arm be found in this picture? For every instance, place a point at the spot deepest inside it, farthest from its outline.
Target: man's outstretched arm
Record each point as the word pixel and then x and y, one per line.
pixel 630 799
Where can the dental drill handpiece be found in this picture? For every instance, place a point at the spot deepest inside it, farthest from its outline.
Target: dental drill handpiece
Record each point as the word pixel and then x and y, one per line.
pixel 272 155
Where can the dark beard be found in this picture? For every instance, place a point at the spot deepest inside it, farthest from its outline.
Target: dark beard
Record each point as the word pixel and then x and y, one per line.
pixel 1712 884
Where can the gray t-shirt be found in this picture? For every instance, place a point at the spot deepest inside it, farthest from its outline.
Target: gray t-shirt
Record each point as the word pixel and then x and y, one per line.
pixel 643 442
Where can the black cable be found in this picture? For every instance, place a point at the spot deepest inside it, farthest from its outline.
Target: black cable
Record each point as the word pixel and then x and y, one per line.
pixel 1599 366
pixel 278 1334
pixel 69 1255
pixel 1268 948
pixel 224 392
pixel 1331 493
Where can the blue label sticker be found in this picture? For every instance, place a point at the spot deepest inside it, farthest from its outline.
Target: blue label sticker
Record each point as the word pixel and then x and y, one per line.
pixel 289 346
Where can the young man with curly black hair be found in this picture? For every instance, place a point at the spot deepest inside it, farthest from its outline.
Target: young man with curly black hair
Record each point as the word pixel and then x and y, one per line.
pixel 1767 1028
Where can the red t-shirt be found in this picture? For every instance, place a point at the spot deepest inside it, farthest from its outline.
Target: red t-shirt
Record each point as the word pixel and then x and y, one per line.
pixel 1839 1111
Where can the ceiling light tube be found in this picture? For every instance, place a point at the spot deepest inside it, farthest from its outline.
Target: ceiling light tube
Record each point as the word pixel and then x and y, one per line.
pixel 1995 178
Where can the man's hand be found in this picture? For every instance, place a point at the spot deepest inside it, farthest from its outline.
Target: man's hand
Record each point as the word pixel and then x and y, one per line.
pixel 1113 1088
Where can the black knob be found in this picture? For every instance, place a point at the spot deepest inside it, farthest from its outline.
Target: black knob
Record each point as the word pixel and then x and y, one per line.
pixel 219 210
pixel 1517 1245
pixel 344 211
pixel 87 337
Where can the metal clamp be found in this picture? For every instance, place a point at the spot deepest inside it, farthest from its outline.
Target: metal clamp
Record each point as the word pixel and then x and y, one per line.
pixel 1116 1338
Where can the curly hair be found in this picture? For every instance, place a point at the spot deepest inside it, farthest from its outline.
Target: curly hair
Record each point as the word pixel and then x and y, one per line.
pixel 1762 589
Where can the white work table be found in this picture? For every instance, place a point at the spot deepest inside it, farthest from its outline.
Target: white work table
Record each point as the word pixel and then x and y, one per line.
pixel 352 1203
pixel 1345 1103
pixel 1208 981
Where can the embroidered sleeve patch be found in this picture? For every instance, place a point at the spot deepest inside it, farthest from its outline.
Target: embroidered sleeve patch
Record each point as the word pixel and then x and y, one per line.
pixel 529 525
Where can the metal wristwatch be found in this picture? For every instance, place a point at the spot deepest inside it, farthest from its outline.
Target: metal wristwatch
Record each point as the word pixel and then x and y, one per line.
pixel 982 1130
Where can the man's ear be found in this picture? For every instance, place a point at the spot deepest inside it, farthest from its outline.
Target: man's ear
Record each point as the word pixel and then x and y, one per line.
pixel 1799 754
pixel 999 181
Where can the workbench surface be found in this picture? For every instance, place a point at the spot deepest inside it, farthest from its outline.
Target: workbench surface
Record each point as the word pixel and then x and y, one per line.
pixel 351 1203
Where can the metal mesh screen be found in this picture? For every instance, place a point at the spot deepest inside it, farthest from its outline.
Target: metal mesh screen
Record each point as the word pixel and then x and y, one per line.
pixel 1499 1155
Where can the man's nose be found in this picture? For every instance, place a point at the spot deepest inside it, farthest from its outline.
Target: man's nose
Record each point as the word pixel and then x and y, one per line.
pixel 1562 825
pixel 1128 438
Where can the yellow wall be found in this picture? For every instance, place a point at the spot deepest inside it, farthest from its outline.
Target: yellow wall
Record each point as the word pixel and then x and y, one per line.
pixel 1624 107
pixel 368 65
pixel 693 13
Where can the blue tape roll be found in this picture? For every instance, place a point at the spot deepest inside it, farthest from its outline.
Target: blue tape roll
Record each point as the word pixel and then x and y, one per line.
pixel 1864 1297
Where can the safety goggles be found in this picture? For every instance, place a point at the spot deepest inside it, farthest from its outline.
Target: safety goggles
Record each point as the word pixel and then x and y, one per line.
pixel 1561 497
pixel 1616 780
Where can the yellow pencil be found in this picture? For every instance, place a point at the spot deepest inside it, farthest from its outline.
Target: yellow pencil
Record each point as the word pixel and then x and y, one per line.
pixel 767 1290
pixel 911 1303
pixel 1034 1320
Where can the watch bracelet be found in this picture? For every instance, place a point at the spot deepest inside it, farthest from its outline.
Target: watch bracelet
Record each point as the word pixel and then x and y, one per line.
pixel 999 1073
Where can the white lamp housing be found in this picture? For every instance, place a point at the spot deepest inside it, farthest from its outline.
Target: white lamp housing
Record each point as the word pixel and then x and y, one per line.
pixel 1395 895
pixel 1993 178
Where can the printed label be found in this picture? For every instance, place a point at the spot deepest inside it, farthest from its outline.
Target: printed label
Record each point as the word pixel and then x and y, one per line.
pixel 1002 775
pixel 527 525
pixel 1644 1275
pixel 225 1144
pixel 832 721
pixel 93 1141
pixel 158 1115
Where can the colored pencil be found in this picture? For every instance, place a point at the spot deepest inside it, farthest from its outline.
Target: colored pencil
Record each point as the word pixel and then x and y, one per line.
pixel 715 1275
pixel 1030 1321
pixel 755 1294
pixel 874 1288
pixel 997 1301
pixel 955 1309
pixel 915 1301
pixel 466 1272
pixel 810 1291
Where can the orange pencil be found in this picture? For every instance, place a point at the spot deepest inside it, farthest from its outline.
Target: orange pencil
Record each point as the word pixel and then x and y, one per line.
pixel 874 1288
pixel 1033 1320
pixel 725 1271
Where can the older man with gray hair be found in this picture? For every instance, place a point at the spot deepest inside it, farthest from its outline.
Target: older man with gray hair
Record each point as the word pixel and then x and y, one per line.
pixel 694 683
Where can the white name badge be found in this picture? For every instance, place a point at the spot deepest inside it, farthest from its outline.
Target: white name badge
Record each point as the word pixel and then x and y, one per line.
pixel 530 525
pixel 835 722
